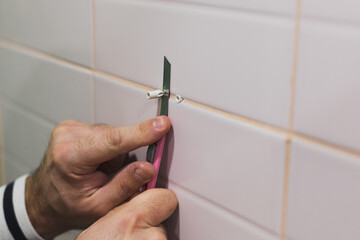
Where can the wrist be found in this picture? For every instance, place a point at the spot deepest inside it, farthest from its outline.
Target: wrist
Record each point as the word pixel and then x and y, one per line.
pixel 43 217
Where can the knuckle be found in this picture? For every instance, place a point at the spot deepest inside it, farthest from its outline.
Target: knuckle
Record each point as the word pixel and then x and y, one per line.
pixel 113 137
pixel 68 122
pixel 158 233
pixel 142 129
pixel 60 152
pixel 98 211
pixel 59 130
pixel 173 197
pixel 133 218
pixel 125 189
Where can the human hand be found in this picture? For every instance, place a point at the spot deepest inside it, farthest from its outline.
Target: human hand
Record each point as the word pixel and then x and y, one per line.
pixel 138 219
pixel 83 176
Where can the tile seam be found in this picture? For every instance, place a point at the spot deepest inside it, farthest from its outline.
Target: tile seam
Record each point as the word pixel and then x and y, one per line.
pixel 290 132
pixel 38 53
pixel 222 208
pixel 240 10
pixel 243 119
pixel 2 149
pixel 326 145
pixel 29 112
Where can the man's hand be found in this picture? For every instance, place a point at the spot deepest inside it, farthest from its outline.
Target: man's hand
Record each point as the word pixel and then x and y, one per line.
pixel 139 219
pixel 84 173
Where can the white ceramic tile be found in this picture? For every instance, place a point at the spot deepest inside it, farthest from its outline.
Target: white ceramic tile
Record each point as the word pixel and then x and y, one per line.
pixel 345 10
pixel 61 28
pixel 14 168
pixel 68 235
pixel 238 166
pixel 276 6
pixel 327 88
pixel 233 61
pixel 25 135
pixel 57 91
pixel 324 194
pixel 233 164
pixel 119 104
pixel 199 219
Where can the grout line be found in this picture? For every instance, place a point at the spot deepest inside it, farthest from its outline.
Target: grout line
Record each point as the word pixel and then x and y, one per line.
pixel 93 34
pixel 2 148
pixel 229 8
pixel 330 146
pixel 12 103
pixel 291 120
pixel 237 117
pixel 294 66
pixel 287 133
pixel 40 54
pixel 119 79
pixel 286 188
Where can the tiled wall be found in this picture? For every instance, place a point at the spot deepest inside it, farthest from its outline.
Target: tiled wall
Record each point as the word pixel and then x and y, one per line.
pixel 266 145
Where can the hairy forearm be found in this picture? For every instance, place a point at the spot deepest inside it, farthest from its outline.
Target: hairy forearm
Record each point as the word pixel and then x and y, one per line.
pixel 42 216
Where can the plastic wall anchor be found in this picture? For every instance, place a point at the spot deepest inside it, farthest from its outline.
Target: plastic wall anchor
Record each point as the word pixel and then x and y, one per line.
pixel 155 94
pixel 178 99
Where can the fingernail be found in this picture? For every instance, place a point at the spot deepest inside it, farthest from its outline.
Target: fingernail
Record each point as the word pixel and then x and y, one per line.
pixel 159 123
pixel 142 175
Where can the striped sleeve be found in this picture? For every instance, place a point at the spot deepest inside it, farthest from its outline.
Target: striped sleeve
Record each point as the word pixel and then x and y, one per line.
pixel 14 220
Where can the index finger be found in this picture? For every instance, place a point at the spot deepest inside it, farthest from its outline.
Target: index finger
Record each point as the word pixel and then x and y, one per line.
pixel 112 142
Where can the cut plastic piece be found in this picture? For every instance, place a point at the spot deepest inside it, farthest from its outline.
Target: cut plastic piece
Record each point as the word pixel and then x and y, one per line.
pixel 155 94
pixel 178 99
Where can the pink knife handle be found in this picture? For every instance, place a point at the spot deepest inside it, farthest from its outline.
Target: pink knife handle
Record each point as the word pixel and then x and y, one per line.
pixel 157 161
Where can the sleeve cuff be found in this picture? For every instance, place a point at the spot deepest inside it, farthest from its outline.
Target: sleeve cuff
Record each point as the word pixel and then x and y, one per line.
pixel 20 210
pixel 15 213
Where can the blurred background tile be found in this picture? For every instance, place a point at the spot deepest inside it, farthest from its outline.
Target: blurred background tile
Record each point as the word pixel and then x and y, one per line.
pixel 324 194
pixel 327 87
pixel 60 28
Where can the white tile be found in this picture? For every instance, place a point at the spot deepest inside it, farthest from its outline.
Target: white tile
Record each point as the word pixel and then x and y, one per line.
pixel 327 88
pixel 68 235
pixel 119 104
pixel 225 160
pixel 14 168
pixel 56 91
pixel 238 166
pixel 345 10
pixel 324 194
pixel 275 6
pixel 61 28
pixel 233 61
pixel 199 219
pixel 25 136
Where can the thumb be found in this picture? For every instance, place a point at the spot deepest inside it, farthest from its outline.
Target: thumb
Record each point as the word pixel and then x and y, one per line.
pixel 137 219
pixel 112 142
pixel 154 205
